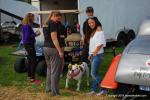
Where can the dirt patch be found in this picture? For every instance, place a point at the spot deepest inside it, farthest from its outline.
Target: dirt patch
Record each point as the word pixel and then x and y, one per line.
pixel 15 93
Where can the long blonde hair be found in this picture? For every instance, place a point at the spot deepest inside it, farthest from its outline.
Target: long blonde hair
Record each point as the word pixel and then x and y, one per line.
pixel 53 13
pixel 28 19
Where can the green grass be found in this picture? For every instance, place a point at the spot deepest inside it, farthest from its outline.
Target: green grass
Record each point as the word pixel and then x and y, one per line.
pixel 8 77
pixel 7 74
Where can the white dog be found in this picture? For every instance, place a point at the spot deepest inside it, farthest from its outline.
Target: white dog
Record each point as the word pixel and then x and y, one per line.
pixel 76 72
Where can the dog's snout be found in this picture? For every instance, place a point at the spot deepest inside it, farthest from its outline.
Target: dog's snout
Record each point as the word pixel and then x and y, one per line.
pixel 72 70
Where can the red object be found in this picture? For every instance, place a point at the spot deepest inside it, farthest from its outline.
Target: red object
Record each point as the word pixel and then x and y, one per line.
pixel 109 79
pixel 35 81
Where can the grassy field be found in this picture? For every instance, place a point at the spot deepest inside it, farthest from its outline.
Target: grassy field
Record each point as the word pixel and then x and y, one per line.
pixel 10 79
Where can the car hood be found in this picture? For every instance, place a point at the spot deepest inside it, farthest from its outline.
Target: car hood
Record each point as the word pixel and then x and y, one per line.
pixel 134 65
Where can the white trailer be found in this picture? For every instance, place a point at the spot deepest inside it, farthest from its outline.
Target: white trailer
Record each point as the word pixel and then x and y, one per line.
pixel 120 18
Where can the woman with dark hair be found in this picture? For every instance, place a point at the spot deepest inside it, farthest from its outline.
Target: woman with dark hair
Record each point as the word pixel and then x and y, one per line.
pixel 28 39
pixel 87 32
pixel 96 44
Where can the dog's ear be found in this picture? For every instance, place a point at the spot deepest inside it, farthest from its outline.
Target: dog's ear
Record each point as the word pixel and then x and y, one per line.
pixel 76 65
pixel 80 63
pixel 81 68
pixel 70 66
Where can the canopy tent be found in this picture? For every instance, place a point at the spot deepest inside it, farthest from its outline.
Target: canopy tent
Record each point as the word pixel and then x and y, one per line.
pixel 16 9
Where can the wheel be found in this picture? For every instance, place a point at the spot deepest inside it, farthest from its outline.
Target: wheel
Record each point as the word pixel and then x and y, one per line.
pixel 130 36
pixel 121 40
pixel 125 90
pixel 41 68
pixel 20 65
pixel 6 37
pixel 122 90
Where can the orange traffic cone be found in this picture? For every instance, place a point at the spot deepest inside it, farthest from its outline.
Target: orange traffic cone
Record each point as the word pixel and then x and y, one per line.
pixel 109 79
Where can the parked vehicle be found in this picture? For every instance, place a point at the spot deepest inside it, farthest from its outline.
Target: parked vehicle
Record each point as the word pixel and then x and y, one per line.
pixel 9 17
pixel 120 18
pixel 72 55
pixel 130 71
pixel 8 32
pixel 8 24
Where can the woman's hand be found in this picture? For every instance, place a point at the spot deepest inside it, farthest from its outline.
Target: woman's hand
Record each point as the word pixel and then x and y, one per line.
pixel 89 57
pixel 38 32
pixel 61 54
pixel 95 53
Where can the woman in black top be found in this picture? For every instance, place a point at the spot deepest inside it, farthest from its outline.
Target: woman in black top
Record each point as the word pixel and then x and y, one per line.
pixel 53 52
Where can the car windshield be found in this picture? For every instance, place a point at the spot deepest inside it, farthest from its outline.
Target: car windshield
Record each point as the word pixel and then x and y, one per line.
pixel 140 45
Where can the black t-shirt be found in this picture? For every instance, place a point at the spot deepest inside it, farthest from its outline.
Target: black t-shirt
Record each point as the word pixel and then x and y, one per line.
pixel 53 27
pixel 62 32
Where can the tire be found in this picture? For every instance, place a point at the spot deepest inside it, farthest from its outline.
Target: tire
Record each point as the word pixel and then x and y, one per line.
pixel 130 36
pixel 121 40
pixel 122 90
pixel 6 36
pixel 41 68
pixel 20 65
pixel 125 89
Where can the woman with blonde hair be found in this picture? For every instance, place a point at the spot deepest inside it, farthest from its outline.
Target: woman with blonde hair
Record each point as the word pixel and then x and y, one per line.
pixel 53 44
pixel 28 39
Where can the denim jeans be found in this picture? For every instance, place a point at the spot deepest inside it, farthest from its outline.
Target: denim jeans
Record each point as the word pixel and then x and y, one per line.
pixel 95 65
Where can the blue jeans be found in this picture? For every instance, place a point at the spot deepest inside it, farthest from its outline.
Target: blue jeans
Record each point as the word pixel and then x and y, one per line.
pixel 20 45
pixel 95 65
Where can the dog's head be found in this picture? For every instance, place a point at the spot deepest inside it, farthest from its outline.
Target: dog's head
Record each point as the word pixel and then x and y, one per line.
pixel 74 69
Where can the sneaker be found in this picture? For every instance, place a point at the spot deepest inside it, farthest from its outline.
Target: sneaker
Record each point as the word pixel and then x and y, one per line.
pixel 103 92
pixel 35 81
pixel 91 93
